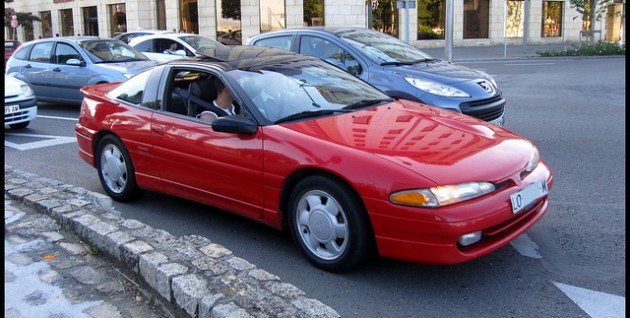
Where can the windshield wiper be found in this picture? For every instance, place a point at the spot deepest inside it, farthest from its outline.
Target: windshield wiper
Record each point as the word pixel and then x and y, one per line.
pixel 368 102
pixel 398 63
pixel 310 113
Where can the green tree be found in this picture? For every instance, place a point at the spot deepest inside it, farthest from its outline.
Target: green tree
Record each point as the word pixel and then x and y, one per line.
pixel 590 10
pixel 25 20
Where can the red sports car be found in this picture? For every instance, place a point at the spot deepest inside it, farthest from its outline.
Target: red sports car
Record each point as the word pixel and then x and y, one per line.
pixel 300 145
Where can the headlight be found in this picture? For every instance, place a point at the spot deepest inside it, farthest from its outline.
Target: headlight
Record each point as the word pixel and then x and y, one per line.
pixel 435 88
pixel 442 195
pixel 28 92
pixel 489 78
pixel 534 158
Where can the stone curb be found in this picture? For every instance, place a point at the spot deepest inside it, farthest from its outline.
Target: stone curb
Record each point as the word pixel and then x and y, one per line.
pixel 190 275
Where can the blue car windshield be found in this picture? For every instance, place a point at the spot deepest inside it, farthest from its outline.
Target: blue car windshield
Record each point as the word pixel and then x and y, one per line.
pixel 382 48
pixel 111 51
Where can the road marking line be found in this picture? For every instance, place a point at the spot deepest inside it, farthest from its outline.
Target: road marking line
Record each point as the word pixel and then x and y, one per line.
pixel 50 141
pixel 55 117
pixel 526 247
pixel 528 64
pixel 595 304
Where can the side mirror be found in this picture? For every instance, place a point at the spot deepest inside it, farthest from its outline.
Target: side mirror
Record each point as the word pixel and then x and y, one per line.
pixel 75 62
pixel 236 124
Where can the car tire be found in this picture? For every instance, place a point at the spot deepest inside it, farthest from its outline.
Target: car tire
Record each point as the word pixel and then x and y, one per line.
pixel 21 125
pixel 115 170
pixel 329 224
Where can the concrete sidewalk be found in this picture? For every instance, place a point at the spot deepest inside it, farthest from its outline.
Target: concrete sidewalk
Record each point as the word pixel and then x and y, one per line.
pixel 497 52
pixel 69 253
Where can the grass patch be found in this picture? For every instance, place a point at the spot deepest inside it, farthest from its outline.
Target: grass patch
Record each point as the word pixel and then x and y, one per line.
pixel 599 48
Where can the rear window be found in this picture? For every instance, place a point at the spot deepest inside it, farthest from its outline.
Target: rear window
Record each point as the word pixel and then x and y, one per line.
pixel 279 42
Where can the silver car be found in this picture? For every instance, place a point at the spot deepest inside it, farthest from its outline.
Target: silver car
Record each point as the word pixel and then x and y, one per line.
pixel 56 68
pixel 20 104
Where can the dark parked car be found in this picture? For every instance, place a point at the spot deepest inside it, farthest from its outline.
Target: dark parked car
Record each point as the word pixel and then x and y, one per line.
pixel 398 69
pixel 311 149
pixel 56 68
pixel 9 47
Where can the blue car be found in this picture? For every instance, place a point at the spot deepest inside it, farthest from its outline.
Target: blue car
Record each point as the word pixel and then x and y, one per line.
pixel 56 68
pixel 396 68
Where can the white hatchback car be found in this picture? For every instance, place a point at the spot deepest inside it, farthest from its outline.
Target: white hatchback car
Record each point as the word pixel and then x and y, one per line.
pixel 190 45
pixel 20 104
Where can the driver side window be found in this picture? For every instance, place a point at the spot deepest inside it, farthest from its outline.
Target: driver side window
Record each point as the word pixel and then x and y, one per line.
pixel 65 52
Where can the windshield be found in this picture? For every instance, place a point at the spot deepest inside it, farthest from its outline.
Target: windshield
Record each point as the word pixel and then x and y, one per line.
pixel 306 88
pixel 382 48
pixel 111 51
pixel 201 42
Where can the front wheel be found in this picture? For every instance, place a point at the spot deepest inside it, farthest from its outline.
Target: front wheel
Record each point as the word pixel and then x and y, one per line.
pixel 115 169
pixel 329 224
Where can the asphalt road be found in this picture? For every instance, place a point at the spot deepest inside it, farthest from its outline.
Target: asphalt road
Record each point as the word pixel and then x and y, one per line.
pixel 571 264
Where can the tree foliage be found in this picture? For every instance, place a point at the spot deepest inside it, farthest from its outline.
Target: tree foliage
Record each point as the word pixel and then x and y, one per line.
pixel 25 20
pixel 590 10
pixel 231 9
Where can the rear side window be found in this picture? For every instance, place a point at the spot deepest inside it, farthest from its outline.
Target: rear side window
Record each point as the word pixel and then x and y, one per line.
pixel 280 42
pixel 41 52
pixel 22 52
pixel 132 90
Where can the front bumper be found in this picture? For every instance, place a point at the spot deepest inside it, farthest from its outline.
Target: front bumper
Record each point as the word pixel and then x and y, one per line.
pixel 430 235
pixel 27 111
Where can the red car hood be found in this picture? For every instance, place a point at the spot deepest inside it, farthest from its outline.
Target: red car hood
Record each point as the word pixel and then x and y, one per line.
pixel 441 145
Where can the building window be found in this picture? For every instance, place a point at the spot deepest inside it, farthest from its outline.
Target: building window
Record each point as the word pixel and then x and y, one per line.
pixel 90 21
pixel 67 22
pixel 229 21
pixel 476 21
pixel 118 23
pixel 46 18
pixel 615 16
pixel 161 14
pixel 190 17
pixel 552 18
pixel 431 19
pixel 313 12
pixel 515 19
pixel 385 16
pixel 272 15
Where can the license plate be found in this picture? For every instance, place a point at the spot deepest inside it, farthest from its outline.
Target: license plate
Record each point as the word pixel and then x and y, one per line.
pixel 524 198
pixel 11 109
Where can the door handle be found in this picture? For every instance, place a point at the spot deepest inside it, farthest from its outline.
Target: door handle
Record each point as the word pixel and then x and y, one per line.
pixel 56 69
pixel 157 129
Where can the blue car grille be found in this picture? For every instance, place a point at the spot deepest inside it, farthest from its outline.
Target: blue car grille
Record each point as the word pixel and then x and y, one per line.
pixel 487 109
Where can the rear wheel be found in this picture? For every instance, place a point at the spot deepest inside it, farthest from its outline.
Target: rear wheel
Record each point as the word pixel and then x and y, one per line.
pixel 328 223
pixel 115 169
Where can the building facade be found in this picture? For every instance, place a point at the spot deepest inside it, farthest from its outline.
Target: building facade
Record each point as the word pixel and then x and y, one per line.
pixel 475 22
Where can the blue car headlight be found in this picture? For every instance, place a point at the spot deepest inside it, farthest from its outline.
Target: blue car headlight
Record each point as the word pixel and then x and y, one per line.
pixel 435 88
